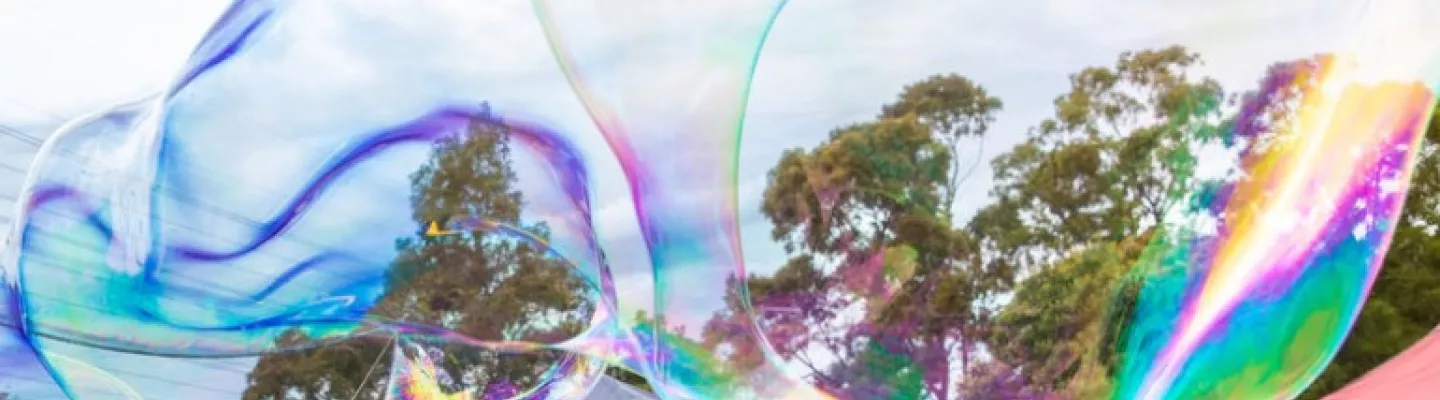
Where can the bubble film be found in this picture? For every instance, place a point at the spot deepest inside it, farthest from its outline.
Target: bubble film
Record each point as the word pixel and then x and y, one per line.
pixel 1293 242
pixel 133 208
pixel 1305 297
pixel 352 190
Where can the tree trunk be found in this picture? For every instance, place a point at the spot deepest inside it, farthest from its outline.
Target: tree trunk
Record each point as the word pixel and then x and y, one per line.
pixel 937 346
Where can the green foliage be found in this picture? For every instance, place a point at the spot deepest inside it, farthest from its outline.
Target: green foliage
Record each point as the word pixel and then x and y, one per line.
pixel 955 108
pixel 1073 208
pixel 950 104
pixel 1074 205
pixel 893 375
pixel 854 184
pixel 1063 326
pixel 1110 161
pixel 877 190
pixel 481 285
pixel 1404 304
pixel 1065 318
pixel 629 378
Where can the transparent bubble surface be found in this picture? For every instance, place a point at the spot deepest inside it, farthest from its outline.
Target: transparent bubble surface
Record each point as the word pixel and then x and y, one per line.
pixel 358 181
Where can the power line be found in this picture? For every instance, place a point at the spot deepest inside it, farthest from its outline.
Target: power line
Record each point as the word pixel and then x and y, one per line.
pixel 53 334
pixel 201 282
pixel 58 299
pixel 19 135
pixel 110 390
pixel 73 159
pixel 378 358
pixel 207 283
pixel 37 142
pixel 12 168
pixel 51 382
pixel 50 265
pixel 131 373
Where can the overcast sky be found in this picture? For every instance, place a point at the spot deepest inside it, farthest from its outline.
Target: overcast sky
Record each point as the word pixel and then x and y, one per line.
pixel 827 63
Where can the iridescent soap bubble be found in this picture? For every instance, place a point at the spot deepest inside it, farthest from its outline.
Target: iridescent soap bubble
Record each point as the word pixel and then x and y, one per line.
pixel 315 180
pixel 258 208
pixel 1258 286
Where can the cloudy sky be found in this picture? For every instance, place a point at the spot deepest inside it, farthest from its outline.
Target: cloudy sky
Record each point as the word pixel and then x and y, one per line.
pixel 826 63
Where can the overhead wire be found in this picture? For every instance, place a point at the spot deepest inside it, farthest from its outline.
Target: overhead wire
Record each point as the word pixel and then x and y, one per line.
pixel 19 135
pixel 67 302
pixel 72 159
pixel 4 376
pixel 370 371
pixel 22 137
pixel 199 282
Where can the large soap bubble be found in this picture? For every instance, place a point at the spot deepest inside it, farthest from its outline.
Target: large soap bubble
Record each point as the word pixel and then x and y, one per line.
pixel 333 174
pixel 1256 287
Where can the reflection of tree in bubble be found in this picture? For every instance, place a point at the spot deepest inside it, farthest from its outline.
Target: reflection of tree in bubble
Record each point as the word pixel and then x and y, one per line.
pixel 478 284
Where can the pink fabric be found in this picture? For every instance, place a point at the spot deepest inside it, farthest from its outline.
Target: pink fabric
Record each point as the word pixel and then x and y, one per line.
pixel 1412 374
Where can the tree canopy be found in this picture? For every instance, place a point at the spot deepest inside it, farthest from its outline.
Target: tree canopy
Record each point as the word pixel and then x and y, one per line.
pixel 478 284
pixel 1030 297
pixel 885 294
pixel 865 218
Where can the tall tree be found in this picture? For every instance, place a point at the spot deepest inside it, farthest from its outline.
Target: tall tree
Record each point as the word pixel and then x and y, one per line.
pixel 832 229
pixel 1060 329
pixel 958 110
pixel 955 108
pixel 478 284
pixel 1074 204
pixel 864 217
pixel 1106 166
